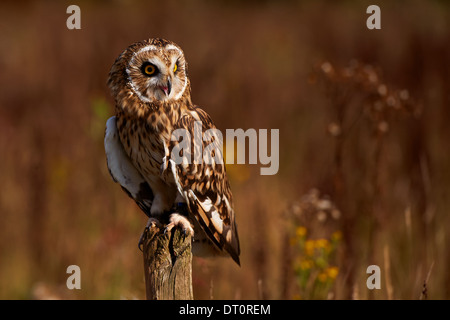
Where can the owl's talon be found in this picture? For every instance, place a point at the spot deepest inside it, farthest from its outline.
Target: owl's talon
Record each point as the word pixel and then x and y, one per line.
pixel 177 220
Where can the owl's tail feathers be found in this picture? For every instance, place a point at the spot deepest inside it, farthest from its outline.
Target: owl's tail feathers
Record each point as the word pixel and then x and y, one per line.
pixel 232 245
pixel 221 232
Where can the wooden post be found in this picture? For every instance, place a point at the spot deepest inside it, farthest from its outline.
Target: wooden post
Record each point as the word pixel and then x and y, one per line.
pixel 167 264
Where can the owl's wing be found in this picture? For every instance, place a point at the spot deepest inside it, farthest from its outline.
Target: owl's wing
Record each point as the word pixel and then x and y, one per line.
pixel 205 186
pixel 123 171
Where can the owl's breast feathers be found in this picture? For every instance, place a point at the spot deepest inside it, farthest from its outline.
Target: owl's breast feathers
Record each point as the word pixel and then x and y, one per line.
pixel 146 137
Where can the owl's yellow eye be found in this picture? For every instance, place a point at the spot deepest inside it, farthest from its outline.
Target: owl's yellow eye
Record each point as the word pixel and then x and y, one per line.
pixel 149 69
pixel 175 68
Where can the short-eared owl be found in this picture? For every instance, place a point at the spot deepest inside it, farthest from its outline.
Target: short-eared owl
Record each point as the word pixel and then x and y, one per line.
pixel 151 88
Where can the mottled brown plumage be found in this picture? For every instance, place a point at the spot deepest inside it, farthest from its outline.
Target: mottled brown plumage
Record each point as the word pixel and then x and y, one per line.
pixel 151 88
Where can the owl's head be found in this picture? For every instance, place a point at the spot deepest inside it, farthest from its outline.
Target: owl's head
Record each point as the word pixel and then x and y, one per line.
pixel 153 70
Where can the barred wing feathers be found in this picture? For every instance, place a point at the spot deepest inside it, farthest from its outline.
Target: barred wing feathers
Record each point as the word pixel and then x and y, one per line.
pixel 205 186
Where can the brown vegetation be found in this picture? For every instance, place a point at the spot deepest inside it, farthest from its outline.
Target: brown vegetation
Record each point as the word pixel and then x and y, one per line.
pixel 364 124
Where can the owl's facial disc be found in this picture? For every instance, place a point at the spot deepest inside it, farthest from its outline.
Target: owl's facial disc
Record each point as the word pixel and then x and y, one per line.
pixel 156 74
pixel 157 81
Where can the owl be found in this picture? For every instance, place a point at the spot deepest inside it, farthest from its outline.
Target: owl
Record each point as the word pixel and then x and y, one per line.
pixel 151 88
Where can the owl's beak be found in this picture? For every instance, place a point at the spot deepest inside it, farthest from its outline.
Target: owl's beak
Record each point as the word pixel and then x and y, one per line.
pixel 167 88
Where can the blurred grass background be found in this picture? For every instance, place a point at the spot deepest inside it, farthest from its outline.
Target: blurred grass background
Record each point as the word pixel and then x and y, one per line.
pixel 254 64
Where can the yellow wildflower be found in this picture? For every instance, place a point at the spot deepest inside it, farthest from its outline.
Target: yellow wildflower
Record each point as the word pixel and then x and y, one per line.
pixel 309 247
pixel 300 232
pixel 323 244
pixel 332 272
pixel 306 264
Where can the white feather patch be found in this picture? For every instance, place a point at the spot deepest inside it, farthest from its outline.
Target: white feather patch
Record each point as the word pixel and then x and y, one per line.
pixel 207 204
pixel 217 221
pixel 120 166
pixel 172 47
